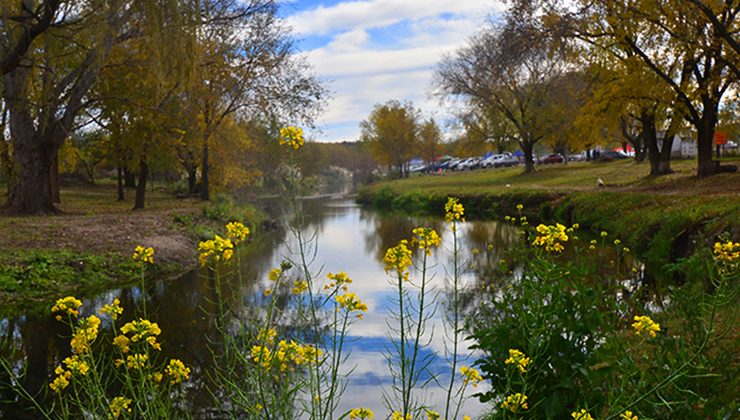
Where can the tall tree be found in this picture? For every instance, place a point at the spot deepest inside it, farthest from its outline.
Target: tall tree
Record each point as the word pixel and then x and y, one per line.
pixel 430 139
pixel 513 69
pixel 391 131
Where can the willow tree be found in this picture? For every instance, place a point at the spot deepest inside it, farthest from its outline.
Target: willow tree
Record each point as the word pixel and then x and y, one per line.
pixel 391 130
pixel 513 69
pixel 247 67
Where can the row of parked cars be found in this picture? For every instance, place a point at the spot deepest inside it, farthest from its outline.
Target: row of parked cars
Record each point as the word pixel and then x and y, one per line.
pixel 468 164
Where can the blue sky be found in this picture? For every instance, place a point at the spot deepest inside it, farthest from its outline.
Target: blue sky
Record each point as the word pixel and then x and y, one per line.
pixel 371 51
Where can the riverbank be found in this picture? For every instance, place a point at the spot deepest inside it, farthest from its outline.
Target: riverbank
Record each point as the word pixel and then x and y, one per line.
pixel 87 248
pixel 668 221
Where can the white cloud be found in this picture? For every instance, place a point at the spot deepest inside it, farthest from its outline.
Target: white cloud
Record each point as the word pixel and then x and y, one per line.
pixel 367 14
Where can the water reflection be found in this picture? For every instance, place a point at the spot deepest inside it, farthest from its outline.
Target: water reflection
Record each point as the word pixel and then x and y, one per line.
pixel 349 239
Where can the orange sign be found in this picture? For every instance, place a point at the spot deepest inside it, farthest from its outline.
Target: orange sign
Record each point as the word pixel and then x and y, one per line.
pixel 720 137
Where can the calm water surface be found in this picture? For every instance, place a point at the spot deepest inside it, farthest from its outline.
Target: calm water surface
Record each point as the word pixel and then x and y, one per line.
pixel 348 238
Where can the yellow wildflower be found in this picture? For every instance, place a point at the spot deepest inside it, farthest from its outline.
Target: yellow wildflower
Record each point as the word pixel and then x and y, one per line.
pixel 85 334
pixel 113 310
pixel 275 274
pixel 268 292
pixel 68 305
pixel 466 417
pixel 644 323
pixel 471 375
pixel 576 226
pixel 397 415
pixel 550 237
pixel 361 413
pixel 727 255
pixel 617 242
pixel 626 250
pixel 122 341
pixel 350 302
pixel 216 249
pixel 520 207
pixel 76 366
pixel 338 280
pixel 299 287
pixel 143 255
pixel 267 336
pixel 398 259
pixel 581 415
pixel 118 406
pixel 177 371
pixel 515 402
pixel 153 342
pixel 262 356
pixel 454 210
pixel 427 238
pixel 237 232
pixel 292 136
pixel 136 361
pixel 518 358
pixel 604 234
pixel 627 415
pixel 59 383
pixel 141 329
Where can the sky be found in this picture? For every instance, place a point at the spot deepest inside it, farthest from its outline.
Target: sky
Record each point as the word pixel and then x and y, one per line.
pixel 371 51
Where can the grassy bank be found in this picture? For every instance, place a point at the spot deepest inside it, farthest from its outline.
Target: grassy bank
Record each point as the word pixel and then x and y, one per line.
pixel 669 221
pixel 87 247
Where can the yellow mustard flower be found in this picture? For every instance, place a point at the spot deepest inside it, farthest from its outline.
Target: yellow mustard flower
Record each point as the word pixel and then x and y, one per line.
pixel 466 417
pixel 617 242
pixel 85 334
pixel 581 415
pixel 141 329
pixel 471 375
pixel 143 256
pixel 136 361
pixel 604 234
pixel 267 292
pixel 645 324
pixel 727 256
pixel 454 211
pixel 397 415
pixel 427 238
pixel 274 274
pixel 122 342
pixel 398 259
pixel 626 250
pixel 361 413
pixel 177 371
pixel 520 207
pixel 515 402
pixel 299 287
pixel 339 280
pixel 113 310
pixel 76 366
pixel 551 237
pixel 627 415
pixel 267 336
pixel 519 359
pixel 60 382
pixel 68 305
pixel 292 136
pixel 118 406
pixel 237 232
pixel 216 249
pixel 350 302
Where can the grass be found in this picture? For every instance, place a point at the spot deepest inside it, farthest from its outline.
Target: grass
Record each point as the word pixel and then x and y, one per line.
pixel 667 220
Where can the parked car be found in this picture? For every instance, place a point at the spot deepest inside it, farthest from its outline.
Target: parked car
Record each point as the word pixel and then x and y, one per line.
pixel 610 155
pixel 488 162
pixel 552 158
pixel 506 159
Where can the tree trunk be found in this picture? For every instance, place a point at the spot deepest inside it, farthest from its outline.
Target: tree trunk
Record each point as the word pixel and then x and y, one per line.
pixel 141 184
pixel 120 183
pixel 660 157
pixel 54 180
pixel 192 180
pixel 205 192
pixel 528 157
pixel 705 164
pixel 129 178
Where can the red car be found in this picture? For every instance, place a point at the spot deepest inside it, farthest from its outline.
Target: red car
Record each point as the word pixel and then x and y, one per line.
pixel 553 158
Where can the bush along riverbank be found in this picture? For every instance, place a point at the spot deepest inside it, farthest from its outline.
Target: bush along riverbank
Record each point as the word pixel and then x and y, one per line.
pixel 669 233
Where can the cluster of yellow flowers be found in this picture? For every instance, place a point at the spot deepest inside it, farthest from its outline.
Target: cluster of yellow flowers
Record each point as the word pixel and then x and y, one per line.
pixel 141 330
pixel 581 415
pixel 114 310
pixel 551 237
pixel 339 280
pixel 627 415
pixel 75 366
pixel 143 255
pixel 519 359
pixel 287 355
pixel 133 361
pixel 454 211
pixel 361 413
pixel 645 324
pixel 515 402
pixel 292 136
pixel 118 406
pixel 427 238
pixel 299 287
pixel 216 249
pixel 68 305
pixel 397 415
pixel 350 302
pixel 177 371
pixel 84 334
pixel 727 255
pixel 237 232
pixel 398 259
pixel 471 375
